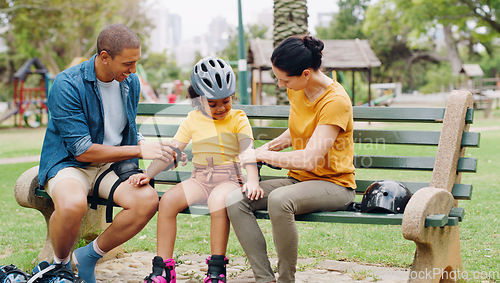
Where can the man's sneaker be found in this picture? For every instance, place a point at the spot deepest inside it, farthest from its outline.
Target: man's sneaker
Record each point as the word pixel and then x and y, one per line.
pixel 163 271
pixel 53 273
pixel 216 269
pixel 12 274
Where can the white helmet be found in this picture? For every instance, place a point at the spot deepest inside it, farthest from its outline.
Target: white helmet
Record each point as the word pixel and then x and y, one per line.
pixel 213 78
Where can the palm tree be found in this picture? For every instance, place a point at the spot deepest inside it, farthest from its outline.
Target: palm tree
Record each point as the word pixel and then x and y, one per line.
pixel 290 18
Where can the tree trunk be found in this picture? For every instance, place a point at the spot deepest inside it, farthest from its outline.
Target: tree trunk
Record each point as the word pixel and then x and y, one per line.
pixel 452 51
pixel 48 59
pixel 290 18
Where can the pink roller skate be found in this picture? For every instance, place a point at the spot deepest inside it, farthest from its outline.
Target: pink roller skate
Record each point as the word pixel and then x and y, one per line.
pixel 163 271
pixel 216 269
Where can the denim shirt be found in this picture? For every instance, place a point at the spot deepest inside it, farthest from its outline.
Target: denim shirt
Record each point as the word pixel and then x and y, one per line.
pixel 77 119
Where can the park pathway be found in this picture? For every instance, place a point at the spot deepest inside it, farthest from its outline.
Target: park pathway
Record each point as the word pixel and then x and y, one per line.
pixel 132 267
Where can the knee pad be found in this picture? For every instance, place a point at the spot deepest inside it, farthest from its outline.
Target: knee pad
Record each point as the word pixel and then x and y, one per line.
pixel 123 169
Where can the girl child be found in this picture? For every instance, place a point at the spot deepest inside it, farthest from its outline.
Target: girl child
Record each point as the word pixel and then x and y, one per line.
pixel 219 134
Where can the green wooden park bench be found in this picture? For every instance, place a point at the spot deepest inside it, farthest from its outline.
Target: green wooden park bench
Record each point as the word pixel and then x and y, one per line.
pixel 432 216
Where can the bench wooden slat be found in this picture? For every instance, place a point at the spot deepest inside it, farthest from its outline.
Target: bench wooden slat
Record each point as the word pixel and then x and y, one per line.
pixel 417 163
pixel 168 131
pixel 169 110
pixel 360 113
pixel 452 221
pixel 456 215
pixel 150 130
pixel 469 139
pixel 331 217
pixel 275 112
pixel 459 191
pixel 458 212
pixel 398 114
pixel 438 220
pixel 401 114
pixel 413 163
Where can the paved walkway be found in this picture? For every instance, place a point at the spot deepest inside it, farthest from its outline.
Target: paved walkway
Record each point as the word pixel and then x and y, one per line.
pixel 23 159
pixel 133 267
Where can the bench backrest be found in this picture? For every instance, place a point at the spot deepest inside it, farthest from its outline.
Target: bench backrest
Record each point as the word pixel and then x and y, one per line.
pixel 392 139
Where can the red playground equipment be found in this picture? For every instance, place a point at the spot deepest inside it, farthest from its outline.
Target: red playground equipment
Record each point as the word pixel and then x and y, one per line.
pixel 30 101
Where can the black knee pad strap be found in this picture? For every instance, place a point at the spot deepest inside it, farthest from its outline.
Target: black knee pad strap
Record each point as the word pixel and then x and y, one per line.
pixel 123 169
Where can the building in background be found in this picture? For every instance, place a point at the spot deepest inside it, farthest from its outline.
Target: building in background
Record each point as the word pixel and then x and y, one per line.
pixel 167 32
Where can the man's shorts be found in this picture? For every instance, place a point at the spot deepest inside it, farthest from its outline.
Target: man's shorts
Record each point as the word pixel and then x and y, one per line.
pixel 87 176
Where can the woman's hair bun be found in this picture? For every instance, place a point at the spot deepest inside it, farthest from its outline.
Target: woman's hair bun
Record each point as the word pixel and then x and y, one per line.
pixel 313 44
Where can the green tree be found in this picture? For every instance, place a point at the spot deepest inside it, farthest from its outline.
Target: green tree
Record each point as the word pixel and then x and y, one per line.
pixel 388 38
pixel 56 31
pixel 486 11
pixel 290 18
pixel 230 53
pixel 347 23
pixel 160 68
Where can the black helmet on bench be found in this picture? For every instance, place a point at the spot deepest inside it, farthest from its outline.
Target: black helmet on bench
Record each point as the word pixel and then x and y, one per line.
pixel 386 196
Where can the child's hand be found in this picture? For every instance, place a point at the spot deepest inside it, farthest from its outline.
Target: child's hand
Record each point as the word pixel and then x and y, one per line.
pixel 254 191
pixel 184 159
pixel 139 179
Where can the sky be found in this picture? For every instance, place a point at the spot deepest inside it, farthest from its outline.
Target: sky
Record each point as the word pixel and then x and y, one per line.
pixel 197 14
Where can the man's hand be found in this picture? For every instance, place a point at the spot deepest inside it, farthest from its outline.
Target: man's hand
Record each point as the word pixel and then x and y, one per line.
pixel 160 150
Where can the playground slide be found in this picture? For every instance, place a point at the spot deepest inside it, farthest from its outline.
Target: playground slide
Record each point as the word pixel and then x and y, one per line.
pixel 146 90
pixel 380 100
pixel 9 113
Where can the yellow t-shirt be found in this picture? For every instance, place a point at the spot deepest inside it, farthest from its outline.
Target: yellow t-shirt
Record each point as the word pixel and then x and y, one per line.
pixel 333 107
pixel 215 138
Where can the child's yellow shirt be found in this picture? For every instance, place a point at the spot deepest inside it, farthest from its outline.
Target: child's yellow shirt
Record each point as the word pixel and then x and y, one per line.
pixel 215 138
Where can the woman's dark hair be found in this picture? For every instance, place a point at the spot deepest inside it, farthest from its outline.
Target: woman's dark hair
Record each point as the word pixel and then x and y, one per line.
pixel 295 54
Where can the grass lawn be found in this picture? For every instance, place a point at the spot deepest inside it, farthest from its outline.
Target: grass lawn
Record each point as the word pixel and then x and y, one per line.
pixel 22 231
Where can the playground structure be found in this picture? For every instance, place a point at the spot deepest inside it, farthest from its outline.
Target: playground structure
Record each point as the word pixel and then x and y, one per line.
pixel 29 103
pixel 147 91
pixel 173 90
pixel 385 93
pixel 357 56
pixel 485 91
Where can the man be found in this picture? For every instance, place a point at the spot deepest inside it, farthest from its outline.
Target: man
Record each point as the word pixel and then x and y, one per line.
pixel 93 108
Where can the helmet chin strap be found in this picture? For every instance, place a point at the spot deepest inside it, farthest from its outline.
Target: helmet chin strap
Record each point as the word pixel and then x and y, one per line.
pixel 197 102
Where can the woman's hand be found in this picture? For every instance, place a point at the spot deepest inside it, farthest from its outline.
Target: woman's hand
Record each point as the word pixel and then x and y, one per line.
pixel 248 156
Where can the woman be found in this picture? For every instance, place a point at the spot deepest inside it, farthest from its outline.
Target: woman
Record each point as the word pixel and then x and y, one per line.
pixel 321 176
